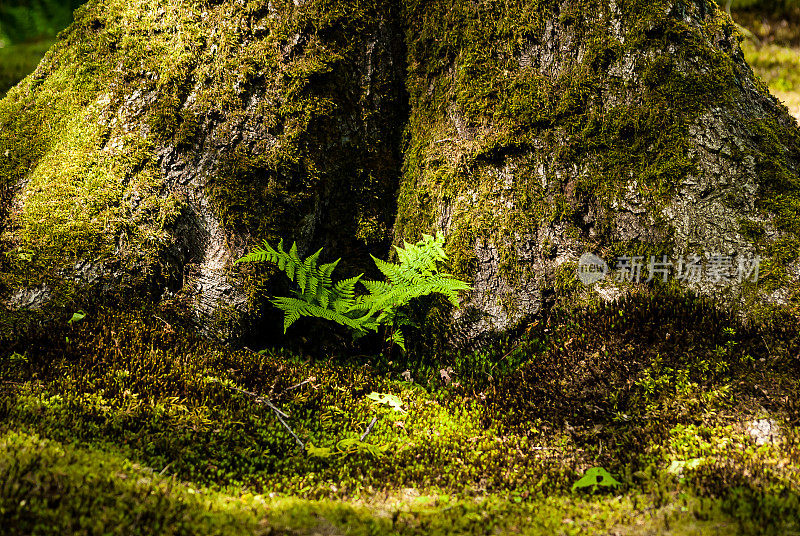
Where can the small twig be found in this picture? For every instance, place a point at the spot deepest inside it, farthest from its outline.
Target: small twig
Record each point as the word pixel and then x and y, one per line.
pixel 260 399
pixel 302 383
pixel 278 413
pixel 769 351
pixel 515 346
pixel 169 326
pixel 369 428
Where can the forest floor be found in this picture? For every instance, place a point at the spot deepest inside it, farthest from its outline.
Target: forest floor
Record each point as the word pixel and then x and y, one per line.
pixel 779 67
pixel 655 415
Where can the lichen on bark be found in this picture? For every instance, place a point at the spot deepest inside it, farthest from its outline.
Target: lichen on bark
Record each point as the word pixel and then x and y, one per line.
pixel 541 130
pixel 159 139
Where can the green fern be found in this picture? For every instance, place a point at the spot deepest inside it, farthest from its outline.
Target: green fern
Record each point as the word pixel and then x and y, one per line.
pixel 317 296
pixel 416 275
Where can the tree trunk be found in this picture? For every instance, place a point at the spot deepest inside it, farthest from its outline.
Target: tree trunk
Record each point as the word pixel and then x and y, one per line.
pixel 540 131
pixel 160 139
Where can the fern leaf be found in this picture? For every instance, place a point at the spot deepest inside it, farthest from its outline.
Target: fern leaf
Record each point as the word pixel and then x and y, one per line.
pixel 319 296
pixel 313 285
pixel 392 271
pixel 256 255
pixel 292 310
pixel 345 293
pixel 399 339
pixel 324 298
pixel 377 287
pixel 279 255
pixel 325 271
pixel 309 266
pixel 294 258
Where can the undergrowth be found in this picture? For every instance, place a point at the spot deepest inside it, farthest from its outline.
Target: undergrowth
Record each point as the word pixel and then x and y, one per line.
pixel 661 391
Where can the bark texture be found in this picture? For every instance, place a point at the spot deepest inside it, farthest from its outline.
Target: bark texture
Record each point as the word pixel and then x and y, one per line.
pixel 160 139
pixel 544 130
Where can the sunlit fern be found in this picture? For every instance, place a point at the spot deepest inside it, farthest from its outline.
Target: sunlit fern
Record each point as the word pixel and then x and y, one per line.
pixel 317 295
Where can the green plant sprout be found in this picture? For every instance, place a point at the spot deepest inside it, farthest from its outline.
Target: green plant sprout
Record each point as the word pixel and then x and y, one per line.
pixel 357 445
pixel 594 477
pixel 76 317
pixel 319 296
pixel 392 401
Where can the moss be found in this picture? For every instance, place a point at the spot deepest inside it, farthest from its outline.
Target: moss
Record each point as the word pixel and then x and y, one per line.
pixel 118 492
pixel 123 493
pixel 313 151
pixel 779 195
pixel 570 138
pixel 88 190
pixel 138 395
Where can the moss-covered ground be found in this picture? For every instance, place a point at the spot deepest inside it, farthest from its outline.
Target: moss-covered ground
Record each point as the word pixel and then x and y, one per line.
pixel 125 424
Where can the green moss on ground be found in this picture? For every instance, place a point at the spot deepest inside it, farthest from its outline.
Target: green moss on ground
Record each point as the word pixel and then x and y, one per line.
pixel 53 488
pixel 637 387
pixel 126 498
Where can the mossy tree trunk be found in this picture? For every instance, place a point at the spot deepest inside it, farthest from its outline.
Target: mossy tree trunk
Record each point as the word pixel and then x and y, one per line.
pixel 159 139
pixel 543 130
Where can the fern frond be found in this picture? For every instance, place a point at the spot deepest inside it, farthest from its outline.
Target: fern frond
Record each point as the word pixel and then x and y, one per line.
pixel 294 308
pixel 392 271
pixel 319 296
pixel 309 267
pixel 345 293
pixel 260 254
pixel 399 339
pixel 417 275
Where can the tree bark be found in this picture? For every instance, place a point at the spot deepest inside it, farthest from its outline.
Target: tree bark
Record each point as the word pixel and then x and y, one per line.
pixel 541 131
pixel 160 139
